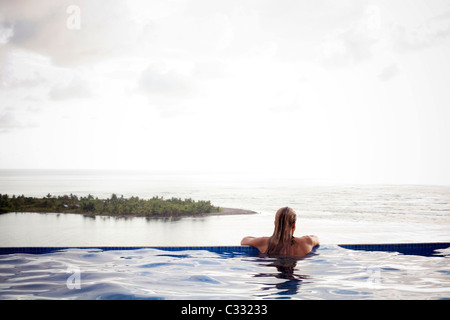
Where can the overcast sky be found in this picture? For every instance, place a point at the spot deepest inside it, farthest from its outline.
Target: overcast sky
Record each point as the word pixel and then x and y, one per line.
pixel 341 90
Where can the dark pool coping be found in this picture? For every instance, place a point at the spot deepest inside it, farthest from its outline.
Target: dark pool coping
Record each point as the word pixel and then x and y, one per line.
pixel 423 249
pixel 217 249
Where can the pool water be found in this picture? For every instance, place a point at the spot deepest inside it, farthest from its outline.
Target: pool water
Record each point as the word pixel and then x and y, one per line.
pixel 331 272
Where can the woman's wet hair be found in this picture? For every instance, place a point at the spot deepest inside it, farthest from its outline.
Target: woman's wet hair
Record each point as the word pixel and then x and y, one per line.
pixel 280 242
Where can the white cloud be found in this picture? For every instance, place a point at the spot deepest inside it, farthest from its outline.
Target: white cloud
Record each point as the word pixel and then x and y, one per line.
pixel 170 90
pixel 355 42
pixel 159 80
pixel 106 30
pixel 75 89
pixel 434 31
pixel 8 121
pixel 6 32
pixel 388 72
pixel 22 68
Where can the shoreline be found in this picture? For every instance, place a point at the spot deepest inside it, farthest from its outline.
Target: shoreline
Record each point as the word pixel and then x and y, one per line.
pixel 229 212
pixel 224 212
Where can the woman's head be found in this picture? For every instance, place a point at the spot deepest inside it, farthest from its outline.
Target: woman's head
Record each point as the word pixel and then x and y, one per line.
pixel 285 219
pixel 281 240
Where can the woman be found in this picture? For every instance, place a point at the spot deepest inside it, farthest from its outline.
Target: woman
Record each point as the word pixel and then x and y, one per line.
pixel 282 242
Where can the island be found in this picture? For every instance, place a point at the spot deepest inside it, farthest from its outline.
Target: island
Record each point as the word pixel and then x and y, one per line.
pixel 114 206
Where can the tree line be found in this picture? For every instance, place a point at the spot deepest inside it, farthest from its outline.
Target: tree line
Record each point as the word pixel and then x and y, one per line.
pixel 115 205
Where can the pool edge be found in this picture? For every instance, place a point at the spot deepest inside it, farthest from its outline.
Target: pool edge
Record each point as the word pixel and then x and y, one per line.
pixel 422 248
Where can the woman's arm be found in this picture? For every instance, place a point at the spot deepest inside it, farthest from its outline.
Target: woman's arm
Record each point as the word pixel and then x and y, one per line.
pixel 308 243
pixel 258 242
pixel 314 240
pixel 246 241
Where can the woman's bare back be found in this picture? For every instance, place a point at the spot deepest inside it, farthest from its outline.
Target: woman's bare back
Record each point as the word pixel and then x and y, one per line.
pixel 301 246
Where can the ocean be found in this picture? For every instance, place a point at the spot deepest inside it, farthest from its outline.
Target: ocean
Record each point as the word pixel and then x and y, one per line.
pixel 334 212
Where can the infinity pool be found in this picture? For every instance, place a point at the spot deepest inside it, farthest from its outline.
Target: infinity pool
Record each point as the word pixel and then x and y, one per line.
pixel 330 272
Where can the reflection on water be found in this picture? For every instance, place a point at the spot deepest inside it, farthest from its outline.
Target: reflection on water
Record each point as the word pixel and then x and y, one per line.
pixel 286 271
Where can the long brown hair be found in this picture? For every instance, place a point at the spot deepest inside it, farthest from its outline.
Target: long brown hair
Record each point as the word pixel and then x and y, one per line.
pixel 281 240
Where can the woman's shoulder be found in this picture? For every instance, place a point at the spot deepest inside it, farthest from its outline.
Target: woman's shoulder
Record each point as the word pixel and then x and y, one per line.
pixel 303 239
pixel 303 245
pixel 260 243
pixel 309 240
pixel 261 240
pixel 252 241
